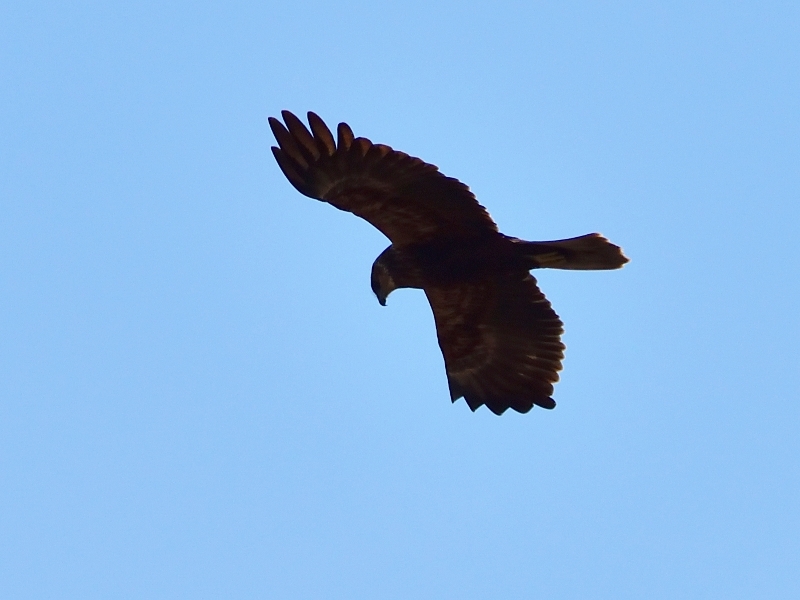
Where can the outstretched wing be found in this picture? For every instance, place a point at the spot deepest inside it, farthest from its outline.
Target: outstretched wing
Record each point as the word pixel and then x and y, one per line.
pixel 501 342
pixel 407 199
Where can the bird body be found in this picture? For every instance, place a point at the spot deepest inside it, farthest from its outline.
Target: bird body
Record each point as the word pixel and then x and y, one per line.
pixel 499 336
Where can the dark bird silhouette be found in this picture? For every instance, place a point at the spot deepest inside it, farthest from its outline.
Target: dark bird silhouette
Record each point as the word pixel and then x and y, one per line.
pixel 500 338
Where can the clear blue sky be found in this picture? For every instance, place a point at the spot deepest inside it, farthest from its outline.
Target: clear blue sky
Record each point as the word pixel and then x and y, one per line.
pixel 201 398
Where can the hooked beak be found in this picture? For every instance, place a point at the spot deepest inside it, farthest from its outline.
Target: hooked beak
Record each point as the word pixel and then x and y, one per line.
pixel 382 300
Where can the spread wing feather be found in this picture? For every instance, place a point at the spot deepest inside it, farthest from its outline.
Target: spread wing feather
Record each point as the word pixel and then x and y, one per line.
pixel 501 342
pixel 408 200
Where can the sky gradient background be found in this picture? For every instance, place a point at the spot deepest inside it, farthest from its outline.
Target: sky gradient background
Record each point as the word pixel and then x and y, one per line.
pixel 201 398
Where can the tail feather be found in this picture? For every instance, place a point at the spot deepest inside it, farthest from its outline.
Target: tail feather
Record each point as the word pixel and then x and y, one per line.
pixel 590 252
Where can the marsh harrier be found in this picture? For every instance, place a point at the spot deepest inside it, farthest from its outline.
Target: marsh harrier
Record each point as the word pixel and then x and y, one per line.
pixel 500 338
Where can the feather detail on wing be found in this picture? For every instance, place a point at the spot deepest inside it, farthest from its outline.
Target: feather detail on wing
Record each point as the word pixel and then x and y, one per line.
pixel 408 200
pixel 501 342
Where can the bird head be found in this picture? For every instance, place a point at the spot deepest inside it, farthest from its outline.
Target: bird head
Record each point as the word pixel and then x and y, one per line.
pixel 381 281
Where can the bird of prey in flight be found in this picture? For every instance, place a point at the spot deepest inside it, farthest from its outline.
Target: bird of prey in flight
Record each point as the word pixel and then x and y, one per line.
pixel 500 338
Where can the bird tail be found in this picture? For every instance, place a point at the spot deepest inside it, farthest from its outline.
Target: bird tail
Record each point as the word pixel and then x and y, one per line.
pixel 590 252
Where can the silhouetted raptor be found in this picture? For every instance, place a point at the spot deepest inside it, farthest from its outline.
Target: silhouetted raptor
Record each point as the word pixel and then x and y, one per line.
pixel 498 333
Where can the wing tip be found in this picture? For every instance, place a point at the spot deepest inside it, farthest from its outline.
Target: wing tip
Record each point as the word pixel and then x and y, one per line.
pixel 500 405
